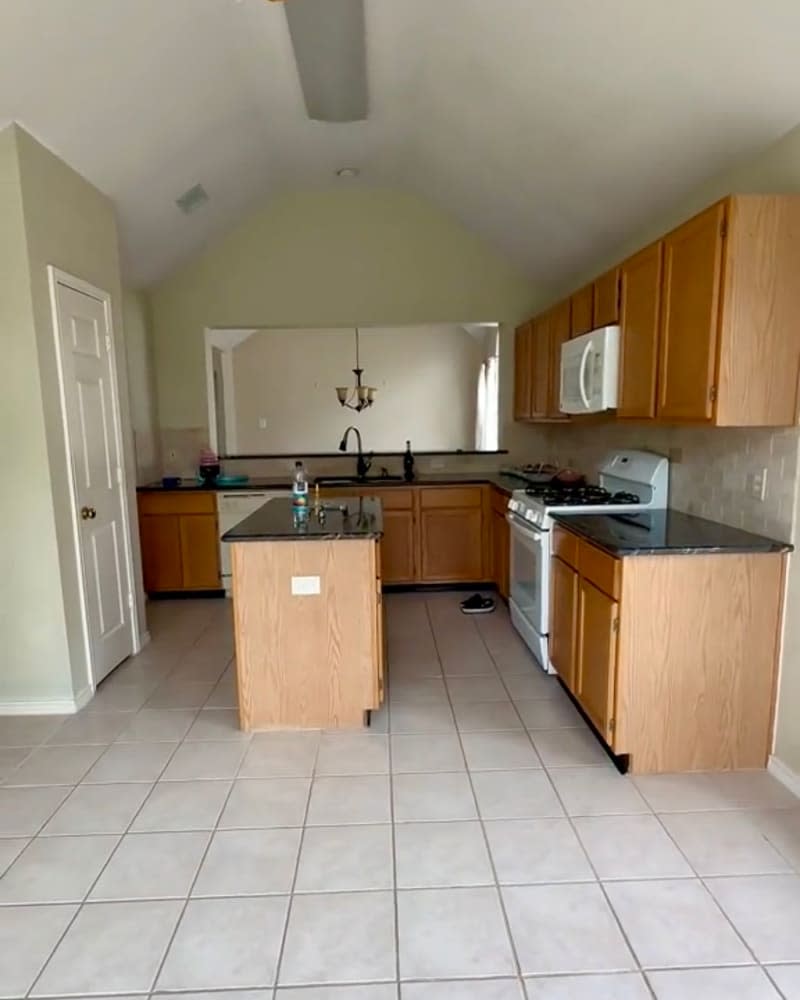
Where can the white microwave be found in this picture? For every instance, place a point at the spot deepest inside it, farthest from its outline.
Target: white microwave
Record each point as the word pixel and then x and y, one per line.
pixel 590 372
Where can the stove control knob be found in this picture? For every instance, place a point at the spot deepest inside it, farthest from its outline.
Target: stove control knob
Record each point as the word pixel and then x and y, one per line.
pixel 530 515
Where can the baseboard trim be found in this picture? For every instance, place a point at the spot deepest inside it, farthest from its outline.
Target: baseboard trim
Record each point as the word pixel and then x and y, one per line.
pixel 144 640
pixel 59 706
pixel 783 773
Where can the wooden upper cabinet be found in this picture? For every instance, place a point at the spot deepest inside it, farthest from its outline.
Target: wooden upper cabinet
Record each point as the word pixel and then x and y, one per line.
pixel 606 299
pixel 582 311
pixel 522 372
pixel 559 330
pixel 540 366
pixel 640 311
pixel 690 317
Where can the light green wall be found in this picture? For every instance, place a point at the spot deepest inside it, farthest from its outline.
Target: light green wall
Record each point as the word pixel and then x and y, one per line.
pixel 324 258
pixel 68 223
pixel 776 169
pixel 34 661
pixel 141 383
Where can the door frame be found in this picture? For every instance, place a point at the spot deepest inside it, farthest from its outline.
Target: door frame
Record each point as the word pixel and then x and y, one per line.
pixel 56 277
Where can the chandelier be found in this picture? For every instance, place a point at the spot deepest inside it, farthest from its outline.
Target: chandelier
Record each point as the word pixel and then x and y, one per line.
pixel 357 397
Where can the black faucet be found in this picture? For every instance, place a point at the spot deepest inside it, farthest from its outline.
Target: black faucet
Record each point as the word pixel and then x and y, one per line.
pixel 364 462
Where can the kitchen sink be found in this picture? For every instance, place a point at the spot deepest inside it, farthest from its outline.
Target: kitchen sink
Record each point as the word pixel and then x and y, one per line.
pixel 355 481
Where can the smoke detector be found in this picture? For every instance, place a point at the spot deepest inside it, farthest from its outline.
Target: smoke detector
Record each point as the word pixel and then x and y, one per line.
pixel 192 199
pixel 346 172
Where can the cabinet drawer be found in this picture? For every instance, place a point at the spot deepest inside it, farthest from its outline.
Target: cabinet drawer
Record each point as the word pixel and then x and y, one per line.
pixel 173 502
pixel 432 497
pixel 393 498
pixel 565 546
pixel 600 568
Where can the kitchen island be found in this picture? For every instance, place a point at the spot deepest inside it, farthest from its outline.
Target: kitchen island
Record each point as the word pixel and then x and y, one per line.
pixel 308 615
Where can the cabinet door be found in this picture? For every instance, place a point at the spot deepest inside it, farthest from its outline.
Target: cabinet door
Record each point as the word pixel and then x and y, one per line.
pixel 451 545
pixel 161 552
pixel 581 314
pixel 606 299
pixel 522 372
pixel 540 367
pixel 397 547
pixel 689 317
pixel 559 333
pixel 199 551
pixel 563 620
pixel 597 657
pixel 640 311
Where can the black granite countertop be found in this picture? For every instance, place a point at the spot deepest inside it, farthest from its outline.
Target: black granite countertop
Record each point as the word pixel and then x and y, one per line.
pixel 344 518
pixel 503 481
pixel 664 532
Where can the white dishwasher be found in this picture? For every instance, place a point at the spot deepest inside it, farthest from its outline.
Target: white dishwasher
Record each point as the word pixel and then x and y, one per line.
pixel 231 509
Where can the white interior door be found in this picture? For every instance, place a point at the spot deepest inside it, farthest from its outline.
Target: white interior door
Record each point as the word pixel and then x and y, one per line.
pixel 92 421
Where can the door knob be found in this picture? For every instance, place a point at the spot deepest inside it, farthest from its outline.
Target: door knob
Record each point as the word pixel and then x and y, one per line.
pixel 88 513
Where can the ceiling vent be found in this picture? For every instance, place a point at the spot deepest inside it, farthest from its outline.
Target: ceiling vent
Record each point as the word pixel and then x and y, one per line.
pixel 192 199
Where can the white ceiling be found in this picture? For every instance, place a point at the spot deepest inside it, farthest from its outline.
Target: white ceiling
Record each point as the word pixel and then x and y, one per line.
pixel 553 129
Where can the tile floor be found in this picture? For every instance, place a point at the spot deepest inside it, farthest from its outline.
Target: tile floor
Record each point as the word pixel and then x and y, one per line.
pixel 476 843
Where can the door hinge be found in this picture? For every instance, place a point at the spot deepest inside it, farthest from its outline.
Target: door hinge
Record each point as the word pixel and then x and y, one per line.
pixel 612 725
pixel 130 600
pixel 712 394
pixel 108 344
pixel 723 229
pixel 119 474
pixel 615 625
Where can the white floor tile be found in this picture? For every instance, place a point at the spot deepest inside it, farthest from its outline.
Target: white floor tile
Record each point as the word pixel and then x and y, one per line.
pixel 376 991
pixel 28 730
pixel 152 866
pixel 55 766
pixel 608 986
pixel 532 685
pixel 421 718
pixel 486 716
pixel 416 690
pixel 441 855
pixel 131 762
pixel 499 751
pixel 465 989
pixel 345 858
pixel 248 863
pixel 98 809
pixel 353 753
pixel 435 796
pixel 515 795
pixel 597 791
pixel 675 923
pixel 225 944
pixel 633 847
pixel 56 869
pixel 464 690
pixel 724 843
pixel 157 724
pixel 111 948
pixel 429 752
pixel 88 728
pixel 356 799
pixel 569 748
pixel 217 724
pixel 765 909
pixel 10 849
pixel 713 984
pixel 537 850
pixel 565 928
pixel 204 761
pixel 339 937
pixel 182 805
pixel 27 936
pixel 23 811
pixel 180 695
pixel 266 802
pixel 280 755
pixel 10 759
pixel 553 713
pixel 787 979
pixel 449 933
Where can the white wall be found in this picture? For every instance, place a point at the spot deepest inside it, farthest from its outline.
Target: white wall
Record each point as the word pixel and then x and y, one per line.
pixel 141 385
pixel 426 377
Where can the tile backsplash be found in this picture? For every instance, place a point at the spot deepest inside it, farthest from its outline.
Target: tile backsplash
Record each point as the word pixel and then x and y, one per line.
pixel 710 468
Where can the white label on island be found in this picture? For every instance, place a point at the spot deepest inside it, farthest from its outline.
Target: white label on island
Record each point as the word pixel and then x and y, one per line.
pixel 305 585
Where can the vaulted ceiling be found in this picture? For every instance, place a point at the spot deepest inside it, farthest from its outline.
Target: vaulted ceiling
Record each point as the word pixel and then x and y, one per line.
pixel 552 129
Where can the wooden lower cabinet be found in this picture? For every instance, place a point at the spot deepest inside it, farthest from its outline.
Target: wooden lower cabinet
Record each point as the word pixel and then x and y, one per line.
pixel 451 545
pixel 673 658
pixel 563 621
pixel 397 547
pixel 500 553
pixel 179 537
pixel 598 621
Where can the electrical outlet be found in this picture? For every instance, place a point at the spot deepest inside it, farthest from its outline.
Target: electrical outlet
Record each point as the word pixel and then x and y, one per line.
pixel 262 423
pixel 172 454
pixel 757 485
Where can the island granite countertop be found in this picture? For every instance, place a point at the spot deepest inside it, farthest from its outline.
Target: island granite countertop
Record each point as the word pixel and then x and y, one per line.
pixel 664 532
pixel 344 518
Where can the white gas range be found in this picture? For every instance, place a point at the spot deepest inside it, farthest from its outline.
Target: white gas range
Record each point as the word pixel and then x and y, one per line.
pixel 629 481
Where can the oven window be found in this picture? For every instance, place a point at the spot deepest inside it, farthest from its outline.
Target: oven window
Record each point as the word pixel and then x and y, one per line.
pixel 528 584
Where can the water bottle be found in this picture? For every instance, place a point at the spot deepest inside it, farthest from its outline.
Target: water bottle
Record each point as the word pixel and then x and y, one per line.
pixel 299 489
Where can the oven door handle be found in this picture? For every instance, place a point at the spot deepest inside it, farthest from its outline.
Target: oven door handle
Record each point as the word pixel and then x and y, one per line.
pixel 532 533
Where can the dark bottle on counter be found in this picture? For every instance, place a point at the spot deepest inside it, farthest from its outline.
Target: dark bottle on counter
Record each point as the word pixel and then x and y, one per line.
pixel 408 464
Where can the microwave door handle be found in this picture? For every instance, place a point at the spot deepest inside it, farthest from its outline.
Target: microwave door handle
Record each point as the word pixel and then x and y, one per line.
pixel 582 376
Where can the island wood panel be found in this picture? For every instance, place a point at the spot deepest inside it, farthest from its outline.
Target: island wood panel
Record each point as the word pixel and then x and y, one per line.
pixel 760 309
pixel 697 658
pixel 306 661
